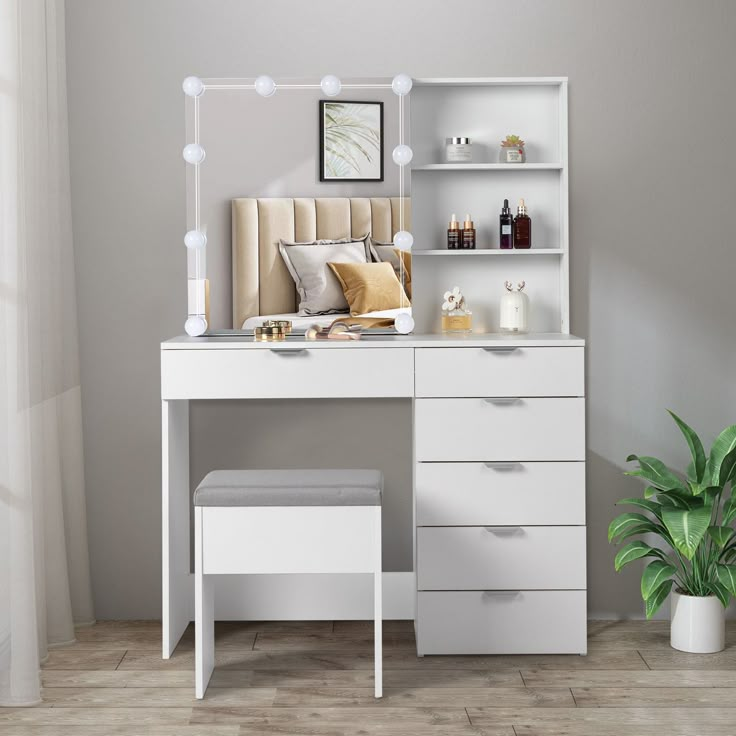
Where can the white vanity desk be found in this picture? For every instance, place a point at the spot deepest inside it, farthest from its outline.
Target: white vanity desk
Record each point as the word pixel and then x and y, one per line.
pixel 499 509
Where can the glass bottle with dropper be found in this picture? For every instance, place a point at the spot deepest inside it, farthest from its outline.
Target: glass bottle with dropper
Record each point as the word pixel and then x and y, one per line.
pixel 506 227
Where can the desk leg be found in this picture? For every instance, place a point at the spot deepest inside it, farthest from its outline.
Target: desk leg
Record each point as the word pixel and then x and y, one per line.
pixel 177 582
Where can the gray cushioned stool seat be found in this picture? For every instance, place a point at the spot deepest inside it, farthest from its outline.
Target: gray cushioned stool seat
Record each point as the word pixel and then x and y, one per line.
pixel 290 488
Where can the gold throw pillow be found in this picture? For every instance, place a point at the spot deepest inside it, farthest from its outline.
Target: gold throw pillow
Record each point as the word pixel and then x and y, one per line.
pixel 370 287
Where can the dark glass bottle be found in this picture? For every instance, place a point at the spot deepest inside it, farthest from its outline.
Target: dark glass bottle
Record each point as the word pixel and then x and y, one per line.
pixel 453 234
pixel 506 227
pixel 467 240
pixel 522 227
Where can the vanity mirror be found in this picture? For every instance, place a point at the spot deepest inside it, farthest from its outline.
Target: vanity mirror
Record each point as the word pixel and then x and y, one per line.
pixel 266 239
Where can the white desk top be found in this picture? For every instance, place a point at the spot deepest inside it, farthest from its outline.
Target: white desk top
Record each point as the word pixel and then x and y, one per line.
pixel 242 342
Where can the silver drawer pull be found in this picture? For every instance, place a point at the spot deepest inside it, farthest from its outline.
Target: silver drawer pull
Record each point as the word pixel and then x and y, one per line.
pixel 503 467
pixel 288 351
pixel 510 401
pixel 503 531
pixel 501 593
pixel 500 350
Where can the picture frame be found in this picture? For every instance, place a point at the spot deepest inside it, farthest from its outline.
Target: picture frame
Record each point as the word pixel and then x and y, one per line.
pixel 350 141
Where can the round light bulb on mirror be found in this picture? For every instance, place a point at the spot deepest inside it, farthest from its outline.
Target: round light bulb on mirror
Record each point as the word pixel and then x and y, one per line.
pixel 403 240
pixel 192 86
pixel 195 326
pixel 195 240
pixel 402 154
pixel 193 153
pixel 265 86
pixel 402 84
pixel 404 323
pixel 331 85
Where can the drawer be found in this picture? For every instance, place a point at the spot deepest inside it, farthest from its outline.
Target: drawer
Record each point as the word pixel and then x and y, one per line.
pixel 285 372
pixel 500 371
pixel 515 622
pixel 464 494
pixel 501 558
pixel 499 429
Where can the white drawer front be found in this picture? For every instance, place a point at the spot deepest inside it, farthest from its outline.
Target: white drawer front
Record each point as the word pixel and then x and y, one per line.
pixel 284 373
pixel 289 539
pixel 500 371
pixel 464 494
pixel 501 558
pixel 490 429
pixel 518 622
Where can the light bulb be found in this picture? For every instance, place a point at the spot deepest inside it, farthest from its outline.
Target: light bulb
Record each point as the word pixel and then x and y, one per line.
pixel 265 86
pixel 403 240
pixel 331 85
pixel 192 86
pixel 401 84
pixel 404 323
pixel 193 153
pixel 195 326
pixel 402 154
pixel 195 240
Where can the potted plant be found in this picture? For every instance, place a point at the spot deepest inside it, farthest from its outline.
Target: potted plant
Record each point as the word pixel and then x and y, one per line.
pixel 693 517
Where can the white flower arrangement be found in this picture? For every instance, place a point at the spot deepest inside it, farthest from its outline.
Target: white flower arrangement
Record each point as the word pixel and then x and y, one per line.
pixel 453 300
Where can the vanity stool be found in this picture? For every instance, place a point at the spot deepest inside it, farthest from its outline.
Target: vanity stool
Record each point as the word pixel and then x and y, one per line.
pixel 259 522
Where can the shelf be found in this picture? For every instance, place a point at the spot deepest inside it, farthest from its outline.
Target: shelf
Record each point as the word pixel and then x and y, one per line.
pixel 488 167
pixel 489 252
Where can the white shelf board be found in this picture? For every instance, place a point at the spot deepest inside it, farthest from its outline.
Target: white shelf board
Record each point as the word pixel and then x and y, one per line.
pixel 488 167
pixel 489 252
pixel 490 81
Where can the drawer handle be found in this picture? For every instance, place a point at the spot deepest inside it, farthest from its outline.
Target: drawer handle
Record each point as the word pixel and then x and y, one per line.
pixel 500 350
pixel 503 467
pixel 501 593
pixel 288 351
pixel 510 401
pixel 503 531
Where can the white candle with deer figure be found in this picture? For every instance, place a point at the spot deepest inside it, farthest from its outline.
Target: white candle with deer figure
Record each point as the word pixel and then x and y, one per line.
pixel 514 312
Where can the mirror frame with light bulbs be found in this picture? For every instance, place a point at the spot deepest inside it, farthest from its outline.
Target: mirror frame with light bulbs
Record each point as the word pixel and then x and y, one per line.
pixel 194 155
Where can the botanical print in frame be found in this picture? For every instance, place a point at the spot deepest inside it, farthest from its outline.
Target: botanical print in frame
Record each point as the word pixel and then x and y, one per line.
pixel 351 141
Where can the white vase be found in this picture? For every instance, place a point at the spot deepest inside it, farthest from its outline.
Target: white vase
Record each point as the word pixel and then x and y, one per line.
pixel 698 624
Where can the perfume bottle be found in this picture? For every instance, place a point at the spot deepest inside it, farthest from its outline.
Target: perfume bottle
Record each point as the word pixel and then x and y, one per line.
pixel 522 227
pixel 456 317
pixel 453 234
pixel 467 240
pixel 506 227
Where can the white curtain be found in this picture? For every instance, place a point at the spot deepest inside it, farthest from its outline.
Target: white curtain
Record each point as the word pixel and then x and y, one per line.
pixel 44 564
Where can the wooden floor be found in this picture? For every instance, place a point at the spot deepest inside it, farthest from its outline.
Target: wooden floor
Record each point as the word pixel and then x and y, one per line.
pixel 316 678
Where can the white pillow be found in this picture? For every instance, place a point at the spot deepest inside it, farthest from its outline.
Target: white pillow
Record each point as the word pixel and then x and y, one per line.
pixel 318 288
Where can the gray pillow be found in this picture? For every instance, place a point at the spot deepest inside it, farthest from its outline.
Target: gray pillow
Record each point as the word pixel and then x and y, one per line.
pixel 318 288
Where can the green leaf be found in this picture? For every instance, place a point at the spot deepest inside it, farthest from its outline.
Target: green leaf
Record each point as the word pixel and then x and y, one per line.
pixel 720 535
pixel 717 589
pixel 727 577
pixel 648 504
pixel 655 600
pixel 722 457
pixel 655 472
pixel 624 522
pixel 687 527
pixel 695 445
pixel 654 575
pixel 729 509
pixel 634 551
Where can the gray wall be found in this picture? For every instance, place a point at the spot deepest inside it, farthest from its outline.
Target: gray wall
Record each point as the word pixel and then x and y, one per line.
pixel 653 258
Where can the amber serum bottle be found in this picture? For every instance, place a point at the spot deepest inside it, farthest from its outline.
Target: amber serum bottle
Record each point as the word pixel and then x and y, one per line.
pixel 522 227
pixel 453 233
pixel 468 234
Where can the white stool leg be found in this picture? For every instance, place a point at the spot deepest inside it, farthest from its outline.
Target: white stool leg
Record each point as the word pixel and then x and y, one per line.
pixel 378 610
pixel 204 615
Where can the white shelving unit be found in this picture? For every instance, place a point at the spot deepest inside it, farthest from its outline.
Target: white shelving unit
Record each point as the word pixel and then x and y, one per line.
pixel 486 110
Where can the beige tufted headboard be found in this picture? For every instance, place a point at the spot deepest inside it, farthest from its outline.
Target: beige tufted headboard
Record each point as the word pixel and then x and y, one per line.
pixel 261 283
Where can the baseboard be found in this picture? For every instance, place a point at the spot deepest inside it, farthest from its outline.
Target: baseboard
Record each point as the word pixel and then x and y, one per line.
pixel 310 597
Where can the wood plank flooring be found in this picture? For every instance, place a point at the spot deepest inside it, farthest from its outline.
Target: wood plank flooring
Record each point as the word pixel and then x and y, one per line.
pixel 316 679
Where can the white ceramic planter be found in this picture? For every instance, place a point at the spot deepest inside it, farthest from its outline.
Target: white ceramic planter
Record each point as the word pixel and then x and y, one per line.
pixel 698 624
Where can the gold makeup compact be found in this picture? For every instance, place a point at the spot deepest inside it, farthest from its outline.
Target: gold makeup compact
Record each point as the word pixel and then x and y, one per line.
pixel 272 330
